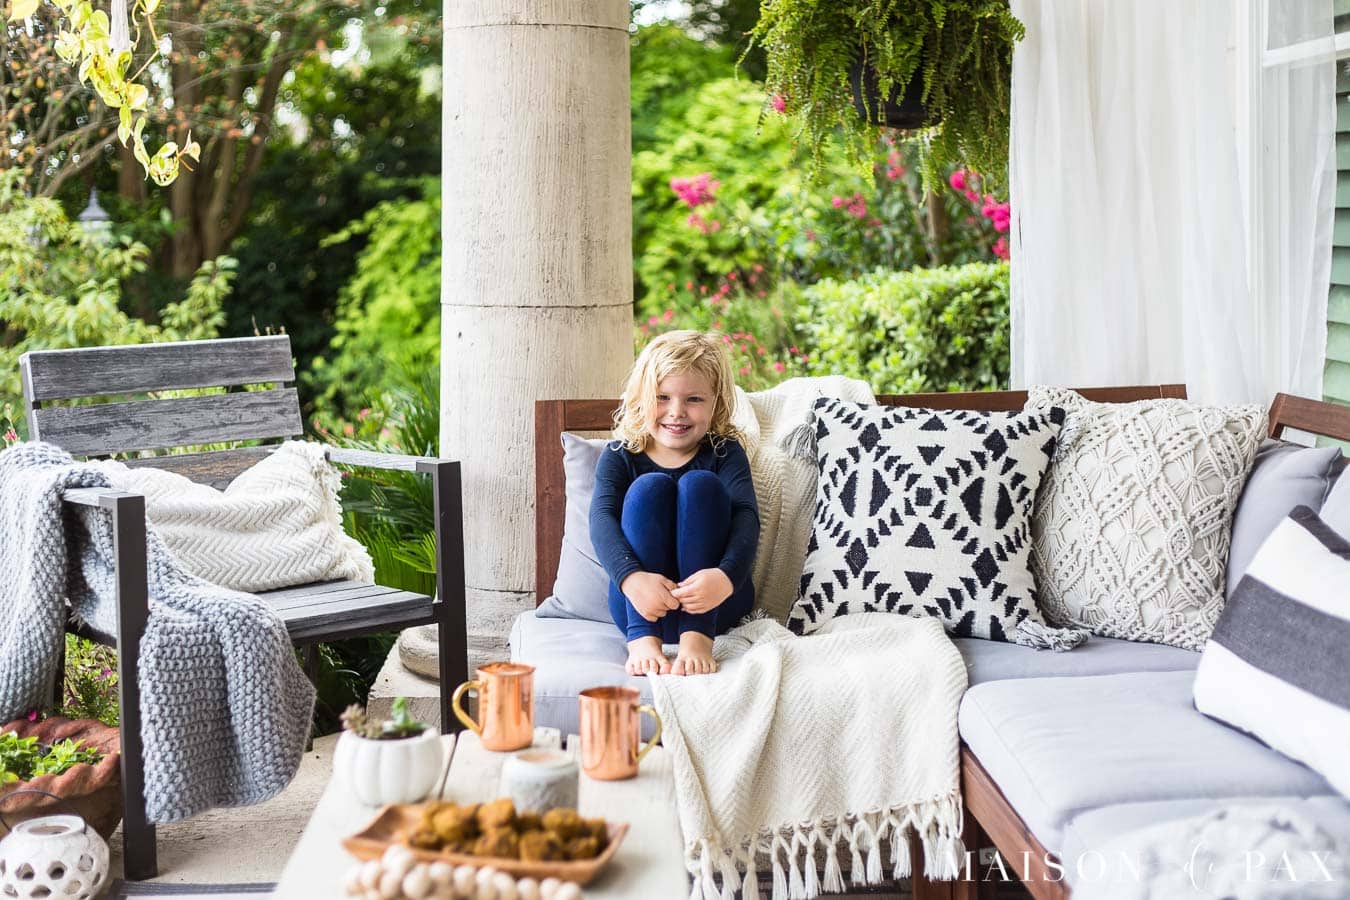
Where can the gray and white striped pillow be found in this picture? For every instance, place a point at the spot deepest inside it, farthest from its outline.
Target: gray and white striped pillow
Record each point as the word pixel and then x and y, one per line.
pixel 1276 665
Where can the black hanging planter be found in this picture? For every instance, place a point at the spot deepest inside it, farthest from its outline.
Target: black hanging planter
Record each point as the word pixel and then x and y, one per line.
pixel 903 107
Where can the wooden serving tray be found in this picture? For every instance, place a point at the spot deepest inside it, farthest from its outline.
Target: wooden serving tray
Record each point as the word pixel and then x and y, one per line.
pixel 396 820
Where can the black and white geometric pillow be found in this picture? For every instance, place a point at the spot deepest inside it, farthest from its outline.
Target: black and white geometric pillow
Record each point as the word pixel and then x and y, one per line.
pixel 925 512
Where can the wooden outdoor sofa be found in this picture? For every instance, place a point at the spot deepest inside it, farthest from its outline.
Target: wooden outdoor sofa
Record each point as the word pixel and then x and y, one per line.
pixel 268 412
pixel 991 820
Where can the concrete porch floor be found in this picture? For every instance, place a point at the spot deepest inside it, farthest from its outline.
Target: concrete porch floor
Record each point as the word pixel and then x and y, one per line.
pixel 250 844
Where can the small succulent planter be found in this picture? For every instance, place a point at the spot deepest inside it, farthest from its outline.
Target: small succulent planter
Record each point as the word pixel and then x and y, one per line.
pixel 93 790
pixel 396 761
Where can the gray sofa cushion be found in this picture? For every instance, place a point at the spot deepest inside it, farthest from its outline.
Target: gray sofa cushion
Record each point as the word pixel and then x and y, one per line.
pixel 1061 746
pixel 581 590
pixel 570 655
pixel 997 660
pixel 1336 510
pixel 1284 476
pixel 1096 828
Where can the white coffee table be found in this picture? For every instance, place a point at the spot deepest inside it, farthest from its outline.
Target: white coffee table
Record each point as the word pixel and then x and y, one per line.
pixel 649 863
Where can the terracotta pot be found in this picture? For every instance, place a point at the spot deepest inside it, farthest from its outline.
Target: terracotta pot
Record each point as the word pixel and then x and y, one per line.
pixel 92 791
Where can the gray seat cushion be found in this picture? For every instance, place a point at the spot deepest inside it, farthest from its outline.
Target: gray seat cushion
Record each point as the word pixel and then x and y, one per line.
pixel 570 655
pixel 1096 828
pixel 997 660
pixel 1058 747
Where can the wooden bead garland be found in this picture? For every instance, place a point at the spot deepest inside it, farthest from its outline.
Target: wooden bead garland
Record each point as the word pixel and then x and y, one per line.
pixel 398 875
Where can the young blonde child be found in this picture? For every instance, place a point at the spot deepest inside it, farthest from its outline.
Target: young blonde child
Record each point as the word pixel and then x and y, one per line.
pixel 673 517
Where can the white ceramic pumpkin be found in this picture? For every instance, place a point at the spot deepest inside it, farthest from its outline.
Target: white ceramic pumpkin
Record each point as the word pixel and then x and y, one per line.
pixel 403 770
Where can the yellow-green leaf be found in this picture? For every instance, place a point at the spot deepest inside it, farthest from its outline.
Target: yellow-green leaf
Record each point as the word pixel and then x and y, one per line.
pixel 99 25
pixel 137 95
pixel 124 125
pixel 22 9
pixel 151 6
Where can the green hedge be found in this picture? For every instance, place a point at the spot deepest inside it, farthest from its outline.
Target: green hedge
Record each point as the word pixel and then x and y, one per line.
pixel 920 330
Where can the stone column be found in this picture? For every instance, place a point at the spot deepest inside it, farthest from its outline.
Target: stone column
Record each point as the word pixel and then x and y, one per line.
pixel 537 282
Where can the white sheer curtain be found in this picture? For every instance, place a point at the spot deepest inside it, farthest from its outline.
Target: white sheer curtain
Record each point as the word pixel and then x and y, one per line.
pixel 1130 264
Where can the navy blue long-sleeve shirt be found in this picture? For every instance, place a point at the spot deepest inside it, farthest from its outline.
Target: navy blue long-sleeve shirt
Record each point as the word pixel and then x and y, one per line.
pixel 618 469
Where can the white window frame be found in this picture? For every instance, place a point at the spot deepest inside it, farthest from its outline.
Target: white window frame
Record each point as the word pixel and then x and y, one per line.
pixel 1253 60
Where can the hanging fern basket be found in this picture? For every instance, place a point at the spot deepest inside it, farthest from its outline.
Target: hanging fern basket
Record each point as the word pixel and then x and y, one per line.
pixel 902 108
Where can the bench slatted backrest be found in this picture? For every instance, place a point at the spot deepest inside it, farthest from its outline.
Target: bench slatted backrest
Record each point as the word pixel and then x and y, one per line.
pixel 51 376
pixel 553 417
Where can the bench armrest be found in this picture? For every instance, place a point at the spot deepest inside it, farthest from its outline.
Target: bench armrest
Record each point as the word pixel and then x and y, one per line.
pixel 374 459
pixel 105 498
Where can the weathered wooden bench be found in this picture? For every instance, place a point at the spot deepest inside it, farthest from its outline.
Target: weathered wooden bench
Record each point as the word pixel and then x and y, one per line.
pixel 270 413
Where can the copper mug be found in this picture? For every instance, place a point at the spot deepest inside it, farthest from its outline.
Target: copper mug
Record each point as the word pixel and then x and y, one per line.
pixel 610 733
pixel 505 705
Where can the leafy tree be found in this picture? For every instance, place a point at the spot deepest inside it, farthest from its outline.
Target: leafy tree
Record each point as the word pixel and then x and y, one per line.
pixel 371 134
pixel 59 287
pixel 54 127
pixel 392 303
pixel 226 71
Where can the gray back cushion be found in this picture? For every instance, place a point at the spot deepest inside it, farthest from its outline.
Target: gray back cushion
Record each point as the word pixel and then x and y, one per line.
pixel 1284 476
pixel 1336 511
pixel 581 590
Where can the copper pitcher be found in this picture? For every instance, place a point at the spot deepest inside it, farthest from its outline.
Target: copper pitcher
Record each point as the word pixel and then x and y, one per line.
pixel 610 733
pixel 505 705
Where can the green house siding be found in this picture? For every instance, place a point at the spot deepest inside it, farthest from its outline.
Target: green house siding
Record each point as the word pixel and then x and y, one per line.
pixel 1336 379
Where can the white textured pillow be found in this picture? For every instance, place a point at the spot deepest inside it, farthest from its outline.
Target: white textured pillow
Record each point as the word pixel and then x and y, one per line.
pixel 1132 524
pixel 276 525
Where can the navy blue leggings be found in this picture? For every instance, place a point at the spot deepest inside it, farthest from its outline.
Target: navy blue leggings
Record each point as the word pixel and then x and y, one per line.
pixel 676 529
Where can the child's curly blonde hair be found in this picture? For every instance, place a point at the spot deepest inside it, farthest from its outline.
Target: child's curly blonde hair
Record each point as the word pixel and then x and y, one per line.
pixel 675 353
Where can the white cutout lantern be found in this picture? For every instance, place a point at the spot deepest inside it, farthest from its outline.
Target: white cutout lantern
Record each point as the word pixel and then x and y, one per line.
pixel 53 856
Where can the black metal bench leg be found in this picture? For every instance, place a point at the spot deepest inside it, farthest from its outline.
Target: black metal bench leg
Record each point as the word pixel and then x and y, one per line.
pixel 452 633
pixel 59 680
pixel 311 652
pixel 139 857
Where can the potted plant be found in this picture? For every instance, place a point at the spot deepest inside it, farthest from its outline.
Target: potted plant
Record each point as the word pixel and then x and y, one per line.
pixel 944 66
pixel 393 760
pixel 77 760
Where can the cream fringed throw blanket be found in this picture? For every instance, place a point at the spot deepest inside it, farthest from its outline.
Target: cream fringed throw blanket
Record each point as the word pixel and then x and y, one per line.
pixel 839 740
pixel 785 482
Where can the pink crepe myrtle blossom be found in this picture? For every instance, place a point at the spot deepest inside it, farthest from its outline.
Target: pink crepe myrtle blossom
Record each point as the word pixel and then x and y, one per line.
pixel 779 367
pixel 707 226
pixel 1001 248
pixel 778 102
pixel 958 180
pixel 10 436
pixel 697 191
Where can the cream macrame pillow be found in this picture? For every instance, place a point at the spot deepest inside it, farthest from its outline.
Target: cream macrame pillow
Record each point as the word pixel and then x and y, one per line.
pixel 1131 530
pixel 277 525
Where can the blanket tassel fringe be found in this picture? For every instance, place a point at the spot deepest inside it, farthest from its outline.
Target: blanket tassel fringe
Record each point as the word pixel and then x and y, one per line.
pixel 792 854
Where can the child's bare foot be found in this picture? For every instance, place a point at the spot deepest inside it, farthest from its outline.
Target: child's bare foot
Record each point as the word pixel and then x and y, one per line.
pixel 695 656
pixel 645 657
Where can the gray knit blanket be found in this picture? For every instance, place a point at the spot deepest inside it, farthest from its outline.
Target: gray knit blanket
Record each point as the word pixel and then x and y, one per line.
pixel 225 707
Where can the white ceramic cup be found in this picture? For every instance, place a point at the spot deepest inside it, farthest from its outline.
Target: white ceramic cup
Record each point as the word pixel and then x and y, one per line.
pixel 538 779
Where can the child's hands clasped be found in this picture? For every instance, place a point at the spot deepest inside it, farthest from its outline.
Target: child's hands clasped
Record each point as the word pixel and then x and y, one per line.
pixel 650 593
pixel 704 590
